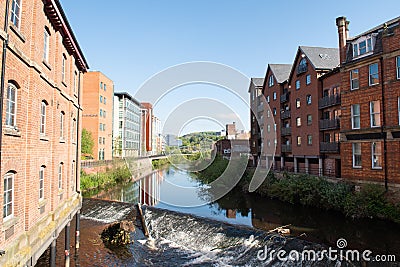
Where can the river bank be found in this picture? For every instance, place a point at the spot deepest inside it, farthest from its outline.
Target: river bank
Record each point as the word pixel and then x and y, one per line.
pixel 368 202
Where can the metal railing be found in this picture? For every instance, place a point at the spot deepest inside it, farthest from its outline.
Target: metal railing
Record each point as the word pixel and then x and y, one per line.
pixel 286 148
pixel 284 97
pixel 286 131
pixel 329 147
pixel 285 114
pixel 329 124
pixel 328 101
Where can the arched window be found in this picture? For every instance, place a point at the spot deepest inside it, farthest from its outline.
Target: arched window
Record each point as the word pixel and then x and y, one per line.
pixel 43 107
pixel 8 201
pixel 11 106
pixel 60 175
pixel 41 182
pixel 62 118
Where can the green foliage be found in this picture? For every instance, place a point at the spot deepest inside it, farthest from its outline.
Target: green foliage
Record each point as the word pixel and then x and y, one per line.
pixel 159 163
pixel 87 142
pixel 102 180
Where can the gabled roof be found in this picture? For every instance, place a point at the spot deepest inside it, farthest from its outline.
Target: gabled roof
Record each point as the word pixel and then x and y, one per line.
pixel 258 82
pixel 280 71
pixel 321 58
pixel 389 24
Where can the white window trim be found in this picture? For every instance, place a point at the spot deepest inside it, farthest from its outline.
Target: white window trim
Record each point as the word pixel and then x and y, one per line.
pixel 60 174
pixel 18 16
pixel 369 74
pixel 353 156
pixel 372 156
pixel 352 117
pixel 308 79
pixel 41 178
pixel 14 122
pixel 398 107
pixel 297 82
pixel 7 176
pixel 352 79
pixel 371 114
pixel 274 95
pixel 46 45
pixel 360 40
pixel 271 80
pixel 43 107
pixel 63 67
pixel 62 121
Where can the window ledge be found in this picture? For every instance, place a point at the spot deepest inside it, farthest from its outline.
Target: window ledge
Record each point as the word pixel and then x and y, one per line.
pixel 377 168
pixel 17 32
pixel 44 137
pixel 42 203
pixel 62 140
pixel 357 167
pixel 63 83
pixel 12 131
pixel 46 64
pixel 73 142
pixel 7 223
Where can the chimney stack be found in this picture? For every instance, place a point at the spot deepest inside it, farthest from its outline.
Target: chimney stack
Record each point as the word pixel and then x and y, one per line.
pixel 343 31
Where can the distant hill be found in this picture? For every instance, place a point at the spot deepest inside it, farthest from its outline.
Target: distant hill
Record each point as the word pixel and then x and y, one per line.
pixel 195 139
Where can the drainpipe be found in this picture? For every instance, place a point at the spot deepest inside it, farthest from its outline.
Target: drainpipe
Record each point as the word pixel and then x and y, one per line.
pixel 383 125
pixel 3 71
pixel 77 135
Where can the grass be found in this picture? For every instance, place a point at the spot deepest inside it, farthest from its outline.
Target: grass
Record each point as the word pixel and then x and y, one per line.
pixel 110 177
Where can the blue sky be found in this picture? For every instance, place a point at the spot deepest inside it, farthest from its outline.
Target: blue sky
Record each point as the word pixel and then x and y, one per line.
pixel 130 41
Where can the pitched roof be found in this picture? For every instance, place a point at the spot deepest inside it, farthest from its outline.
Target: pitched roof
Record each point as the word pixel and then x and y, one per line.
pixel 322 57
pixel 281 71
pixel 389 24
pixel 257 81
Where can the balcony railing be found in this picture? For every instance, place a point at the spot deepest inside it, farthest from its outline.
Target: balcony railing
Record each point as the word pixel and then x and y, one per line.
pixel 286 148
pixel 329 147
pixel 330 100
pixel 286 131
pixel 285 114
pixel 285 98
pixel 329 124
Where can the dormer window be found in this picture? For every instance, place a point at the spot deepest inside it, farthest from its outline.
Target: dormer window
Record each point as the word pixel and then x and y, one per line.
pixel 271 81
pixel 302 66
pixel 363 45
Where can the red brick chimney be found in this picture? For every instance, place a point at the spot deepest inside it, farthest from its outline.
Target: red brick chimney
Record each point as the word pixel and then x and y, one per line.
pixel 343 30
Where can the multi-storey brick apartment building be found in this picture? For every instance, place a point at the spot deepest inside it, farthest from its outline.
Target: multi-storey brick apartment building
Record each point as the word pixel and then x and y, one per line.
pixel 370 82
pixel 256 115
pixel 41 74
pixel 146 128
pixel 98 94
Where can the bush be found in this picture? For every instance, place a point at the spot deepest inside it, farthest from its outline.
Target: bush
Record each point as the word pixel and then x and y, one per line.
pixel 101 180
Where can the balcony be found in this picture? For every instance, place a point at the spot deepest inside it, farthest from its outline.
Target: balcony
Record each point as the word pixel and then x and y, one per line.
pixel 330 100
pixel 286 131
pixel 329 124
pixel 329 147
pixel 285 98
pixel 286 148
pixel 285 114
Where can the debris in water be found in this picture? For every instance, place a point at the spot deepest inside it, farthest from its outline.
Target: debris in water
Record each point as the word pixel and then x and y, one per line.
pixel 118 233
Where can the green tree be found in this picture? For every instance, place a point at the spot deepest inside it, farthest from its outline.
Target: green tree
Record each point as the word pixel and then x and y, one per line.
pixel 87 142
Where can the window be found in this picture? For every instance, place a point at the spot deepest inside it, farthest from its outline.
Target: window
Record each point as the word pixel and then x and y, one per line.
pixel 62 115
pixel 11 108
pixel 46 45
pixel 41 183
pixel 268 128
pixel 298 103
pixel 274 95
pixel 75 81
pixel 302 66
pixel 101 113
pixel 309 140
pixel 43 117
pixel 60 170
pixel 104 140
pixel 105 87
pixel 398 67
pixel 63 67
pixel 101 85
pixel 104 113
pixel 375 109
pixel 101 127
pixel 274 111
pixel 100 140
pixel 362 47
pixel 101 99
pixel 8 196
pixel 297 85
pixel 373 74
pixel 73 176
pixel 271 81
pixel 376 153
pixel 309 119
pixel 308 79
pixel 298 121
pixel 105 100
pixel 299 140
pixel 355 116
pixel 398 108
pixel 16 13
pixel 308 99
pixel 354 82
pixel 268 98
pixel 275 127
pixel 268 113
pixel 356 155
pixel 73 130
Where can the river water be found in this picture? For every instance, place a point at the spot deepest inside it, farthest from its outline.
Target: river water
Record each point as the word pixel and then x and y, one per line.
pixel 228 232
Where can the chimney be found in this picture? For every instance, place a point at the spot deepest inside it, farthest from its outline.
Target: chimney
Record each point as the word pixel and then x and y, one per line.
pixel 343 31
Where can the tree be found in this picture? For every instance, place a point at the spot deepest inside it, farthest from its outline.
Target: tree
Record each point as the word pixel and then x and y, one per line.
pixel 87 142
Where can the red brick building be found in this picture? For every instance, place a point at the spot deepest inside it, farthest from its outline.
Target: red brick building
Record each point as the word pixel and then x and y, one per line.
pixel 41 79
pixel 146 128
pixel 370 96
pixel 257 102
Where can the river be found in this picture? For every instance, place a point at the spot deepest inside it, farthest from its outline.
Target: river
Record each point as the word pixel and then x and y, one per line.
pixel 196 238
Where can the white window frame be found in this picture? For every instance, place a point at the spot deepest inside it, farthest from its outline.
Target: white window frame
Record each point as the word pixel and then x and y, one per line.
pixel 6 191
pixel 375 116
pixel 73 128
pixel 354 79
pixel 309 119
pixel 16 18
pixel 267 98
pixel 63 67
pixel 11 117
pixel 73 176
pixel 271 80
pixel 309 140
pixel 60 174
pixel 375 156
pixel 398 108
pixel 41 183
pixel 43 107
pixel 308 99
pixel 358 154
pixel 274 95
pixel 75 81
pixel 298 121
pixel 46 45
pixel 354 116
pixel 62 119
pixel 298 103
pixel 369 46
pixel 370 75
pixel 298 84
pixel 308 79
pixel 298 140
